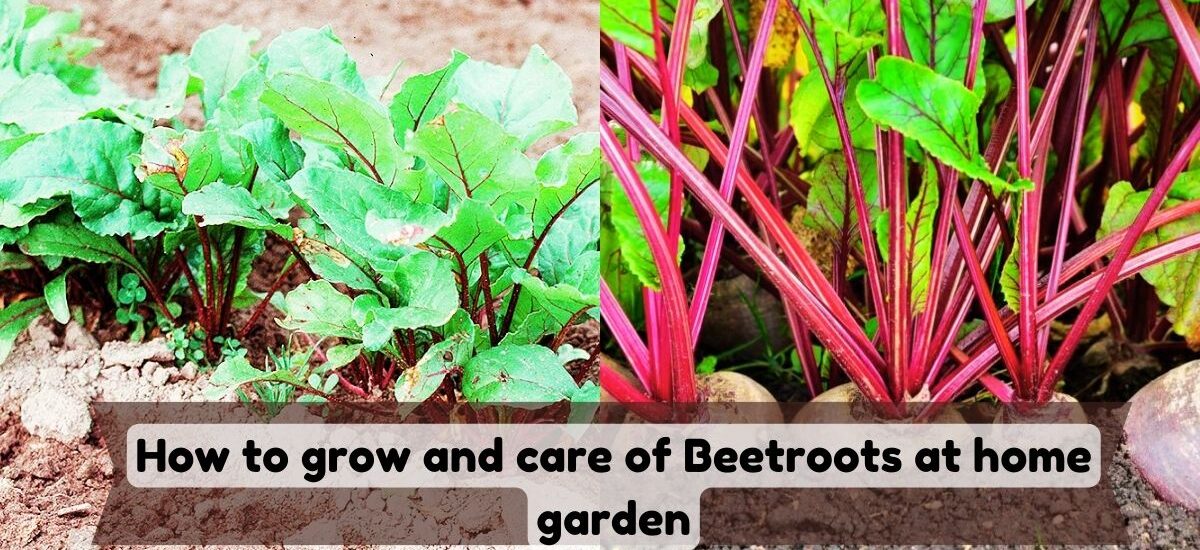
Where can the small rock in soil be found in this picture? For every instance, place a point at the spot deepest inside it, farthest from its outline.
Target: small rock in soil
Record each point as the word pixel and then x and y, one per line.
pixel 133 355
pixel 7 489
pixel 57 415
pixel 78 509
pixel 76 337
pixel 160 377
pixel 149 369
pixel 188 372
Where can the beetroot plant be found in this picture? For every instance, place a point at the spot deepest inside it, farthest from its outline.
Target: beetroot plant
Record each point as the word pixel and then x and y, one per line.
pixel 972 172
pixel 443 256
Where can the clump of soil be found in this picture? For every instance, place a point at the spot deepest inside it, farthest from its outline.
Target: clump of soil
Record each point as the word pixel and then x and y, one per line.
pixel 53 488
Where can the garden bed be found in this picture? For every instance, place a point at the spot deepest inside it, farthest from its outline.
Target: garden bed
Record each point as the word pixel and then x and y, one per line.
pixel 52 492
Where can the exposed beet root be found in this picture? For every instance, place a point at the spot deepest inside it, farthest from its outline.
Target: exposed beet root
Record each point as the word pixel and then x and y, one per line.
pixel 846 404
pixel 1059 409
pixel 749 401
pixel 1163 434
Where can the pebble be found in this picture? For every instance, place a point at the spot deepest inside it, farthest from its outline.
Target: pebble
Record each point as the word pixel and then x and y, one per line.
pixel 149 369
pixel 78 509
pixel 160 377
pixel 933 505
pixel 189 371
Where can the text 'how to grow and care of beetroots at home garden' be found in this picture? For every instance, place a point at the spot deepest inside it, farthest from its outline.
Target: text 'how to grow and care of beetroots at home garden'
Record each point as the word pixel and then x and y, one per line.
pixel 608 483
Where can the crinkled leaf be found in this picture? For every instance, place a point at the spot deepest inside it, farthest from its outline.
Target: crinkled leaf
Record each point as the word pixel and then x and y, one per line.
pixel 428 296
pixel 319 309
pixel 547 308
pixel 476 157
pixel 530 103
pixel 474 230
pixel 520 375
pixel 331 259
pixel 344 200
pixel 565 173
pixel 89 161
pixel 221 204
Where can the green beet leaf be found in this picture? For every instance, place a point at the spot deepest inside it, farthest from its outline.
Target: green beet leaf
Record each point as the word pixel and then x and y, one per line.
pixel 76 242
pixel 317 54
pixel 1176 281
pixel 530 103
pixel 317 308
pixel 418 382
pixel 221 204
pixel 526 375
pixel 476 157
pixel 323 112
pixel 14 319
pixel 424 97
pixel 427 298
pixel 219 58
pixel 937 112
pixel 938 33
pixel 343 200
pixel 89 161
